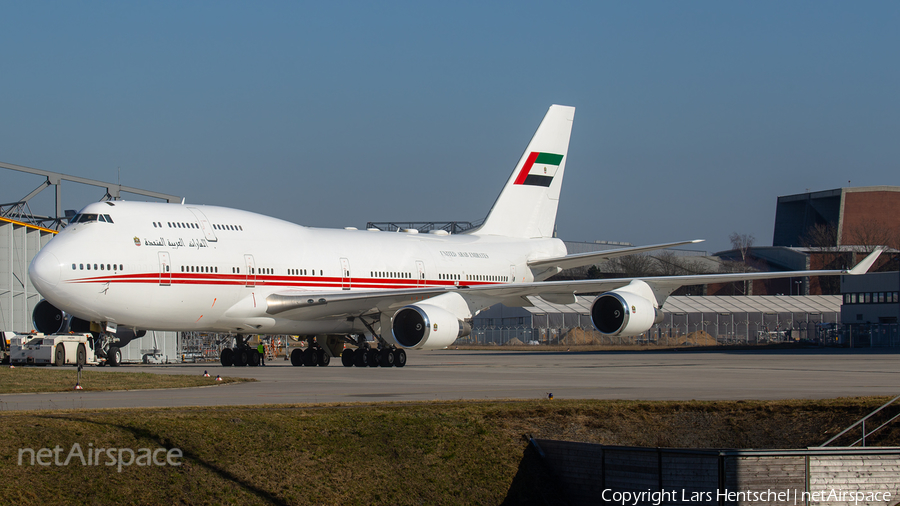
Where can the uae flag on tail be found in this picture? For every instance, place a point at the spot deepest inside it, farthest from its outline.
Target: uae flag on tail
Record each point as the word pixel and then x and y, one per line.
pixel 539 169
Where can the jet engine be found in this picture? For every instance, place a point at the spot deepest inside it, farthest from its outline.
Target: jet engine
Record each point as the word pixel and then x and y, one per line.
pixel 626 311
pixel 427 327
pixel 47 318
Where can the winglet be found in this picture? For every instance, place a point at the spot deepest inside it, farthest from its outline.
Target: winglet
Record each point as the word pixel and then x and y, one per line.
pixel 866 264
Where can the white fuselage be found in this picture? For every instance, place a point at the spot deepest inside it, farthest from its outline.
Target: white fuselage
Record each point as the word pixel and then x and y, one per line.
pixel 160 266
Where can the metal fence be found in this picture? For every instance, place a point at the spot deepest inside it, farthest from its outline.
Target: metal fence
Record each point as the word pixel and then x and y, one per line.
pixel 725 332
pixel 862 335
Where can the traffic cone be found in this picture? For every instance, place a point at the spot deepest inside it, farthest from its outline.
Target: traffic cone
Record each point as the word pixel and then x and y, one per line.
pixel 205 374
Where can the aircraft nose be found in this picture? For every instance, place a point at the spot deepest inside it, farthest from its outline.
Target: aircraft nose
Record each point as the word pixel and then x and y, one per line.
pixel 45 271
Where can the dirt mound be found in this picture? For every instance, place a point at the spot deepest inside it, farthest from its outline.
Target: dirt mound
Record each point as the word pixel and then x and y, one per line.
pixel 514 342
pixel 578 336
pixel 697 338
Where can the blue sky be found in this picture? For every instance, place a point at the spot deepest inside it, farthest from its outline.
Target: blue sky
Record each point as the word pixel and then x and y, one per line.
pixel 692 117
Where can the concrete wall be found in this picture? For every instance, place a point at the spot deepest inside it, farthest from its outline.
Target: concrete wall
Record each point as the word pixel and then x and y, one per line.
pixel 584 471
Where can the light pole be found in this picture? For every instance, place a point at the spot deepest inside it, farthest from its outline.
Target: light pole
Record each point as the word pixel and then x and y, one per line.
pixel 798 283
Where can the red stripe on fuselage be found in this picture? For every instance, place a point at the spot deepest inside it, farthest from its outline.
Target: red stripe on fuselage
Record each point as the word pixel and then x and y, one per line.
pixel 287 282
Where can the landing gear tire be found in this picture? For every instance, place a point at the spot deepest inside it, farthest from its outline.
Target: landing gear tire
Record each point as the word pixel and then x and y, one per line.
pixel 373 358
pixel 114 356
pixel 361 358
pixel 227 357
pixel 309 357
pixel 81 355
pixel 347 358
pixel 387 357
pixel 297 357
pixel 254 358
pixel 323 358
pixel 60 359
pixel 241 357
pixel 399 358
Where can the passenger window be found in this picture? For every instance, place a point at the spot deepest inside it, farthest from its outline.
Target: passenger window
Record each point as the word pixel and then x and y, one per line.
pixel 81 267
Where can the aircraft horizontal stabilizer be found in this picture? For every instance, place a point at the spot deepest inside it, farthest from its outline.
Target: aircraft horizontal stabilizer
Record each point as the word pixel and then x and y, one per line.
pixel 593 257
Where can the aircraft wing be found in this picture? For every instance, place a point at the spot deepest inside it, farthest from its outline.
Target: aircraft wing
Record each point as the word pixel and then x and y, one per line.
pixel 563 292
pixel 580 259
pixel 322 304
pixel 338 304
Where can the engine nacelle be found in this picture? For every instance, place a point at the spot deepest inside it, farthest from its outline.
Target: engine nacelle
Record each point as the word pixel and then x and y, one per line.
pixel 426 327
pixel 623 312
pixel 47 318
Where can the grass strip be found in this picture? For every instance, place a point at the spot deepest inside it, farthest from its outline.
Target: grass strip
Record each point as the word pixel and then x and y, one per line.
pixel 416 453
pixel 46 379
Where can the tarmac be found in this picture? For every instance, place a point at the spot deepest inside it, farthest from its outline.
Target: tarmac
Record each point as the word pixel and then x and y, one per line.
pixel 494 375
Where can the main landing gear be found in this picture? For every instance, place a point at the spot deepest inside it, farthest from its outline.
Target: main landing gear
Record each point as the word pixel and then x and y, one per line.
pixel 372 357
pixel 241 355
pixel 314 355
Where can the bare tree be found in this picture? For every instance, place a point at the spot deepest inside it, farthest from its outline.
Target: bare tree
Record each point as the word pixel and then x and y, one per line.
pixel 822 238
pixel 635 266
pixel 670 264
pixel 870 234
pixel 742 243
pixel 820 235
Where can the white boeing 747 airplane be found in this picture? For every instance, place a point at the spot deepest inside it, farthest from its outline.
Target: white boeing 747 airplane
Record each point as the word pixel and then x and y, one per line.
pixel 177 267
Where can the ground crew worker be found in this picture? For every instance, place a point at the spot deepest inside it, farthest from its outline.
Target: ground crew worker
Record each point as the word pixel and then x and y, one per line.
pixel 262 353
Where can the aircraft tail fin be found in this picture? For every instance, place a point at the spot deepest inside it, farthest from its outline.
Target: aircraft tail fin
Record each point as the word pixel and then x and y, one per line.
pixel 527 205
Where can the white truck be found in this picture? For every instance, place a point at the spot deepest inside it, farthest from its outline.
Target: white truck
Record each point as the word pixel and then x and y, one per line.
pixel 55 349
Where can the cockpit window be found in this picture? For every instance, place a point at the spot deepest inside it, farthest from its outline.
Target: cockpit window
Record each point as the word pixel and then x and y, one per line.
pixel 86 218
pixel 90 218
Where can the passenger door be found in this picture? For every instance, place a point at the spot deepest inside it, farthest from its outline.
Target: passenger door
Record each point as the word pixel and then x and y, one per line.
pixel 250 265
pixel 345 274
pixel 165 269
